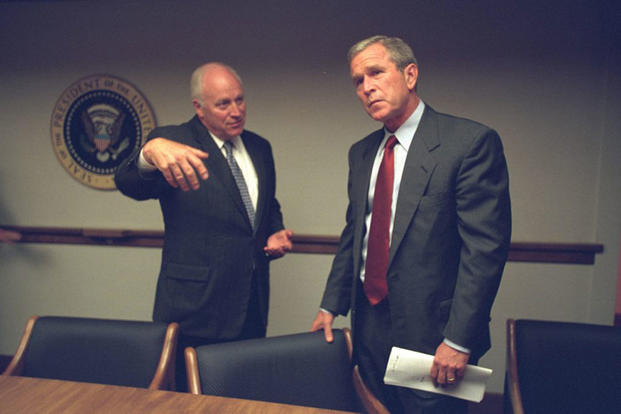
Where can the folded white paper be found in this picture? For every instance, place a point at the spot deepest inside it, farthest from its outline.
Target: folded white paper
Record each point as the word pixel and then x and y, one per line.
pixel 411 369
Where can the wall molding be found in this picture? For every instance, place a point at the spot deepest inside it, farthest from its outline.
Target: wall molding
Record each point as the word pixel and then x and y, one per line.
pixel 533 252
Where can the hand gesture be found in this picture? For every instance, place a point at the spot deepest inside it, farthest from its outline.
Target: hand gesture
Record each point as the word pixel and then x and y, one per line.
pixel 279 243
pixel 180 164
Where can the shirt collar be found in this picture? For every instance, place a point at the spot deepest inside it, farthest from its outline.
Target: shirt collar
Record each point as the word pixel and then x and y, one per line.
pixel 220 142
pixel 405 133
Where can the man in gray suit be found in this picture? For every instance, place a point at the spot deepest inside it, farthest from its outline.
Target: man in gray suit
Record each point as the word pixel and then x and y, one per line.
pixel 216 186
pixel 427 232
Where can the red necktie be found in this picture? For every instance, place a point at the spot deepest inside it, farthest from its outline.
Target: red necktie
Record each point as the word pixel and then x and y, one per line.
pixel 376 266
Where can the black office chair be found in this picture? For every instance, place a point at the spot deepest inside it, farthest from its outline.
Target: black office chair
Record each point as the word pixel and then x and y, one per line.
pixel 561 367
pixel 300 369
pixel 115 352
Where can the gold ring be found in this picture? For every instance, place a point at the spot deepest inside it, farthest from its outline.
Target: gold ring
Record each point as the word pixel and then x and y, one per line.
pixel 450 379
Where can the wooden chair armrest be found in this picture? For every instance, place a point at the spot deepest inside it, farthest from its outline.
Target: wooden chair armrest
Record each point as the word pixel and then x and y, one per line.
pixel 369 401
pixel 192 375
pixel 513 383
pixel 164 378
pixel 16 366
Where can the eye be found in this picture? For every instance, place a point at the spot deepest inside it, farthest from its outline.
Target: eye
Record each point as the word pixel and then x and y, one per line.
pixel 239 100
pixel 223 104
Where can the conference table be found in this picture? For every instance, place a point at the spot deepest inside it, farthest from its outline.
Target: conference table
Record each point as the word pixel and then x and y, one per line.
pixel 36 395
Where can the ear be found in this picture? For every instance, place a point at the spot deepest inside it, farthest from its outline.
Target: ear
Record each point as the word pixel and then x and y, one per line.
pixel 197 107
pixel 411 76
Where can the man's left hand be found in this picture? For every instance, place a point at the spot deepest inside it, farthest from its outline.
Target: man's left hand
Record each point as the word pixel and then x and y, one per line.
pixel 448 365
pixel 279 243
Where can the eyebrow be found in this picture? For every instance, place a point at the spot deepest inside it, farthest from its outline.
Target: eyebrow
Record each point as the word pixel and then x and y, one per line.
pixel 371 68
pixel 375 67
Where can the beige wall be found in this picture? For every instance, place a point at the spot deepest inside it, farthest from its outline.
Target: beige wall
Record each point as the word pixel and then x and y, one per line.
pixel 545 76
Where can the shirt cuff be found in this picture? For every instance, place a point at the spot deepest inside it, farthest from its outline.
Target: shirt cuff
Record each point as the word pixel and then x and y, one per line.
pixel 143 164
pixel 326 311
pixel 456 347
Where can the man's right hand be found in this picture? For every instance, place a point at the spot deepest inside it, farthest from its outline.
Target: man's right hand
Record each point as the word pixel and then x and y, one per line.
pixel 324 321
pixel 180 164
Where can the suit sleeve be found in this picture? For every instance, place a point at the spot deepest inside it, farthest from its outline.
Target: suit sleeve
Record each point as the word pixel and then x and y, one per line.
pixel 337 294
pixel 275 220
pixel 484 225
pixel 133 183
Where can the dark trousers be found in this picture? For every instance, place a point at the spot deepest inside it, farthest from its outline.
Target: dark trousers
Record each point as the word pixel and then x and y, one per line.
pixel 253 328
pixel 373 341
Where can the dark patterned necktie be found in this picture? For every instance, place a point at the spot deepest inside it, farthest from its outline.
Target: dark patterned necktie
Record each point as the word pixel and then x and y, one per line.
pixel 375 286
pixel 239 180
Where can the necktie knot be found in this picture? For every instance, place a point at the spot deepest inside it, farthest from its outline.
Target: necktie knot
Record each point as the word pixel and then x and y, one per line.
pixel 391 142
pixel 228 147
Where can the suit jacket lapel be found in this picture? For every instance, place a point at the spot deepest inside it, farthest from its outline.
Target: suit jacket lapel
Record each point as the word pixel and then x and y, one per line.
pixel 258 160
pixel 419 166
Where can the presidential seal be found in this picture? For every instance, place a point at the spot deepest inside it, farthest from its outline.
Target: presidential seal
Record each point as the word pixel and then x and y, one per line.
pixel 96 124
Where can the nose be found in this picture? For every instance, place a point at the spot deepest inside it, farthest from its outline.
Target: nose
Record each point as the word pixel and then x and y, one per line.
pixel 236 109
pixel 367 85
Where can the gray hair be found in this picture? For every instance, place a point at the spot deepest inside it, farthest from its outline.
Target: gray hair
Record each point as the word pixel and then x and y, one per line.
pixel 196 84
pixel 399 51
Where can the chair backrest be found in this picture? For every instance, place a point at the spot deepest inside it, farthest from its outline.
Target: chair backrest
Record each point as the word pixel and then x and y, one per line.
pixel 117 352
pixel 299 369
pixel 561 367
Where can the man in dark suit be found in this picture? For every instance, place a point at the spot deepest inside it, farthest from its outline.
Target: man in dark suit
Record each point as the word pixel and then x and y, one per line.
pixel 427 232
pixel 216 186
